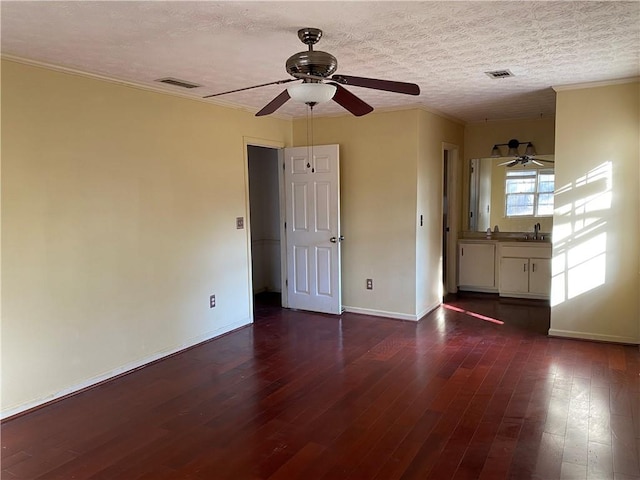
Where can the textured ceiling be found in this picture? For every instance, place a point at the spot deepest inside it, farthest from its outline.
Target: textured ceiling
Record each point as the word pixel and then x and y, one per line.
pixel 445 47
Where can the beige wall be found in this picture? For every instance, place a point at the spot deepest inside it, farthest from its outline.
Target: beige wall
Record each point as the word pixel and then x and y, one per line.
pixel 479 139
pixel 433 130
pixel 118 222
pixel 596 264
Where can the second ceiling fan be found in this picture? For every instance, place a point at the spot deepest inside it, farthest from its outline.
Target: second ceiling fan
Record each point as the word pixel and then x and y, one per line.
pixel 515 158
pixel 315 69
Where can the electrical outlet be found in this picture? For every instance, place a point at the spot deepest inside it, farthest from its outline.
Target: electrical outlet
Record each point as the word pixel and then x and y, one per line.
pixel 369 283
pixel 239 223
pixel 212 301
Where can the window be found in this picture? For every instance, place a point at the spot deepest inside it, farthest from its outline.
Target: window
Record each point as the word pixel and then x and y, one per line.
pixel 529 193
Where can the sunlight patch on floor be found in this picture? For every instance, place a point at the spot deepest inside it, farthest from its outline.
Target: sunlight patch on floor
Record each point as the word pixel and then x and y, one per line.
pixel 473 314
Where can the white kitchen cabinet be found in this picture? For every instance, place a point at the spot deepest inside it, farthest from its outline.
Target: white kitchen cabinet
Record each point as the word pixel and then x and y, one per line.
pixel 540 276
pixel 477 266
pixel 514 275
pixel 525 271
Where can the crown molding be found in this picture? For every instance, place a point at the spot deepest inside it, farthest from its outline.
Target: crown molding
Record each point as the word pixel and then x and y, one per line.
pixel 604 83
pixel 441 114
pixel 128 83
pixel 512 119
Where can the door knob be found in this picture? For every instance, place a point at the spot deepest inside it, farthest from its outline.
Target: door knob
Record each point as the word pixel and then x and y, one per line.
pixel 336 239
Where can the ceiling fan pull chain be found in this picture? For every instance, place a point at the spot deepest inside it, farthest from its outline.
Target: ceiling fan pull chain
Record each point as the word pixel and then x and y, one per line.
pixel 313 160
pixel 308 147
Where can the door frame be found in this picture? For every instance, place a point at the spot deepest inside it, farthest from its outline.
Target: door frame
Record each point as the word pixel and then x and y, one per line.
pixel 454 193
pixel 279 146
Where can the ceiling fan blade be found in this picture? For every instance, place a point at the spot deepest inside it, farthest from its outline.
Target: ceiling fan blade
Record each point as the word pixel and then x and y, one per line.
pixel 535 162
pixel 510 163
pixel 350 102
pixel 544 158
pixel 387 85
pixel 277 82
pixel 274 104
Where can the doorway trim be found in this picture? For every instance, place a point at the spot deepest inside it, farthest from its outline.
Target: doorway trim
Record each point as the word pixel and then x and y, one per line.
pixel 453 213
pixel 279 146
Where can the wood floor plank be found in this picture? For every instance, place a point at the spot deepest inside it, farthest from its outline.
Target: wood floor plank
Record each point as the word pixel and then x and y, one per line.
pixel 600 416
pixel 500 457
pixel 296 465
pixel 476 454
pixel 625 455
pixel 300 395
pixel 600 461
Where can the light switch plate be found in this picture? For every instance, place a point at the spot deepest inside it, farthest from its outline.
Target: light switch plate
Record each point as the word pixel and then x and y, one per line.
pixel 239 223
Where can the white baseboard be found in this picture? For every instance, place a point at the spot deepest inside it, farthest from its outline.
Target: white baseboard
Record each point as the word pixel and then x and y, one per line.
pixel 9 412
pixel 593 336
pixel 429 309
pixel 394 315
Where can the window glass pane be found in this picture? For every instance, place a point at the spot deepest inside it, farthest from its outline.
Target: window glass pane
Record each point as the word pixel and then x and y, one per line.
pixel 529 192
pixel 521 185
pixel 545 204
pixel 520 204
pixel 545 182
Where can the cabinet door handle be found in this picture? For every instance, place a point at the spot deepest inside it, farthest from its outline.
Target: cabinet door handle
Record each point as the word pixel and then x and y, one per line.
pixel 533 267
pixel 524 267
pixel 462 252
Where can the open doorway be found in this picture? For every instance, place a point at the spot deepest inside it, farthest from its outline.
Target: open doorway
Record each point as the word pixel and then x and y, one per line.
pixel 298 264
pixel 264 215
pixel 450 217
pixel 445 218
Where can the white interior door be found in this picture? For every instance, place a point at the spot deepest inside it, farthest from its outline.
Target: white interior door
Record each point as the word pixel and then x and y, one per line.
pixel 312 205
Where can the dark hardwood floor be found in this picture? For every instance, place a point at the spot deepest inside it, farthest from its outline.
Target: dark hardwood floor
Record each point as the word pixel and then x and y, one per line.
pixel 308 396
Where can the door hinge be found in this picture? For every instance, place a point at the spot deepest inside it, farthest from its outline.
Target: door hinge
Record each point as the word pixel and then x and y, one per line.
pixel 285 225
pixel 286 282
pixel 283 167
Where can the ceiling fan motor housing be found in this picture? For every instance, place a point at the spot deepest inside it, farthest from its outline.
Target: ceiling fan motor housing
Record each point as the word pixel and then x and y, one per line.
pixel 312 62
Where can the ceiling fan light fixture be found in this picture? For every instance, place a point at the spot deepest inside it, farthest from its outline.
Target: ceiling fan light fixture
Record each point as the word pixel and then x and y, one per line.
pixel 513 152
pixel 530 150
pixel 495 152
pixel 311 92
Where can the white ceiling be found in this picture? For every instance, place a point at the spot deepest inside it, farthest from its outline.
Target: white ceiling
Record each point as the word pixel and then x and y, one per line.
pixel 445 47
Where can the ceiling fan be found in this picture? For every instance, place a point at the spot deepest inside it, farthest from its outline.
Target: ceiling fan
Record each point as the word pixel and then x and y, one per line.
pixel 529 157
pixel 315 68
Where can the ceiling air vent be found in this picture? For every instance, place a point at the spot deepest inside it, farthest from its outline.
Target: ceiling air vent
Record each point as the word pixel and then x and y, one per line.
pixel 178 83
pixel 500 74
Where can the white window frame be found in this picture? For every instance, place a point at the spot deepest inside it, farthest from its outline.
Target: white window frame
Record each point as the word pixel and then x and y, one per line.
pixel 522 174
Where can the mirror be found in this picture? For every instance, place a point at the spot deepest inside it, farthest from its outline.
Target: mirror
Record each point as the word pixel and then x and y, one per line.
pixel 530 195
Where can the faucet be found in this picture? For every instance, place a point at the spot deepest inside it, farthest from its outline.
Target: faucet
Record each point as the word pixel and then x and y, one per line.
pixel 536 231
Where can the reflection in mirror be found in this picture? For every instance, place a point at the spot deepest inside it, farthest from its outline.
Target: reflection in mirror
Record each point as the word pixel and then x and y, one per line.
pixel 511 198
